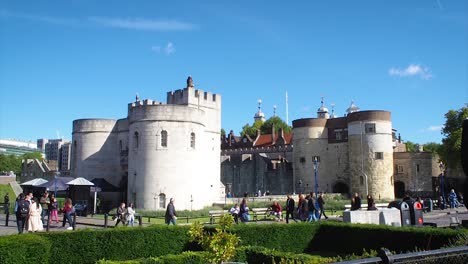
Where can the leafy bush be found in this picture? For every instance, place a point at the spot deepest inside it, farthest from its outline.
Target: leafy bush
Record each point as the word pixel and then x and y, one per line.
pixel 87 246
pixel 219 245
pixel 26 248
pixel 187 257
pixel 270 256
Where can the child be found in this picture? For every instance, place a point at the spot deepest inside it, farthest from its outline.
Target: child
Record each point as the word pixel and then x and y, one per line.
pixel 53 210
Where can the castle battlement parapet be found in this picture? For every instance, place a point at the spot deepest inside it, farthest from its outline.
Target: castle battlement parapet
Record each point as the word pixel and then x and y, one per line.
pixel 192 96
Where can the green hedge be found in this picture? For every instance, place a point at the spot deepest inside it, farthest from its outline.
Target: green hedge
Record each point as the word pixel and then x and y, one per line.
pixel 87 246
pixel 320 238
pixel 187 257
pixel 344 239
pixel 271 256
pixel 26 248
pixel 288 238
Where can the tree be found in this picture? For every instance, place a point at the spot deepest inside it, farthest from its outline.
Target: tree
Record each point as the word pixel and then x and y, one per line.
pixel 410 146
pixel 220 244
pixel 251 131
pixel 223 132
pixel 432 147
pixel 451 144
pixel 10 163
pixel 277 123
pixel 33 155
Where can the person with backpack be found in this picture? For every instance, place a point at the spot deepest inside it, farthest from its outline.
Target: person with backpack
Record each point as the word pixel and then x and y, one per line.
pixel 22 212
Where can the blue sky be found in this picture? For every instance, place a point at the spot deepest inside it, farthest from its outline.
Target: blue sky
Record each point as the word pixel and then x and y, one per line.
pixel 66 60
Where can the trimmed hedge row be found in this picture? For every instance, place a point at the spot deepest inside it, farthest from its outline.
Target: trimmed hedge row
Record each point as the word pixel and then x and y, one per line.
pixel 353 239
pixel 27 248
pixel 187 257
pixel 322 238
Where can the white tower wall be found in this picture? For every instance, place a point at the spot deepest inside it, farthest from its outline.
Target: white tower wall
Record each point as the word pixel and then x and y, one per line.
pixel 371 154
pixel 95 150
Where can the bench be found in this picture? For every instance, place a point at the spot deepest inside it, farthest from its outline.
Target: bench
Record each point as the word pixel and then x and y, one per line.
pixel 216 214
pixel 259 212
pixel 364 206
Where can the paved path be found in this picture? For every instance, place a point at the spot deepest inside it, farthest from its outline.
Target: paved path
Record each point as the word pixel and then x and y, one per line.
pixel 440 217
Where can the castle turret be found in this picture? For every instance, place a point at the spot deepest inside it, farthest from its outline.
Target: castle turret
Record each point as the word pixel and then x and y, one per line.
pixel 259 116
pixel 371 153
pixel 322 112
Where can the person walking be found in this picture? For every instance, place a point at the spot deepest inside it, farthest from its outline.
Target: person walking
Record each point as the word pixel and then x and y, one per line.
pixel 290 208
pixel 44 201
pixel 311 208
pixel 321 203
pixel 171 215
pixel 120 214
pixel 34 221
pixel 68 210
pixel 22 212
pixel 53 208
pixel 6 203
pixel 131 215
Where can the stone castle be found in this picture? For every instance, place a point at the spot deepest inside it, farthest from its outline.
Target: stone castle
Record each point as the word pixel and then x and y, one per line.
pixel 359 152
pixel 174 149
pixel 159 151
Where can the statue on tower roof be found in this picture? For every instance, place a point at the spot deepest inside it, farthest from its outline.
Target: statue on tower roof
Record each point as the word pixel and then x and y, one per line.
pixel 189 82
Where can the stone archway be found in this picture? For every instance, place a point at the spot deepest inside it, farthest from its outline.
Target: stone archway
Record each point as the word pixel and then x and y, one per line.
pixel 399 189
pixel 340 187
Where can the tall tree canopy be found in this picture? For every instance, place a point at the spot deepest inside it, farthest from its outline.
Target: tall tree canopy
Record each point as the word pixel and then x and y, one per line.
pixel 265 127
pixel 451 143
pixel 13 163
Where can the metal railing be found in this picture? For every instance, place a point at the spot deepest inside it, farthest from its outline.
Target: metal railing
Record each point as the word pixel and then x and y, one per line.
pixel 455 255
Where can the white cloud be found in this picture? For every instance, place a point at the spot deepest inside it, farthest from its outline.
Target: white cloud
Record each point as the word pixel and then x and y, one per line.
pixel 432 129
pixel 411 70
pixel 142 24
pixel 169 49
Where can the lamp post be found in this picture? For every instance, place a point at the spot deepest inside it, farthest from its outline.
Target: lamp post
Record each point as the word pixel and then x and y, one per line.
pixel 57 174
pixel 442 189
pixel 316 165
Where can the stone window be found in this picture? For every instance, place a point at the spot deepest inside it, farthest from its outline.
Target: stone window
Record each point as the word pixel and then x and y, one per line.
pixel 302 160
pixel 400 169
pixel 164 138
pixel 192 140
pixel 370 128
pixel 338 134
pixel 162 200
pixel 361 180
pixel 120 145
pixel 136 140
pixel 379 155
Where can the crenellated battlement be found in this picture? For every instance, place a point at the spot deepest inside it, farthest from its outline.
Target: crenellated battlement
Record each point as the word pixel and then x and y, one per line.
pixel 143 103
pixel 192 96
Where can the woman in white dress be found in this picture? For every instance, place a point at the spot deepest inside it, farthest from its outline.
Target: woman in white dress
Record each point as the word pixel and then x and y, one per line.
pixel 131 215
pixel 34 221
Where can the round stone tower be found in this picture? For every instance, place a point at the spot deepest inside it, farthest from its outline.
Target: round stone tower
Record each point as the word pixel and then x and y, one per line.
pixel 95 152
pixel 371 153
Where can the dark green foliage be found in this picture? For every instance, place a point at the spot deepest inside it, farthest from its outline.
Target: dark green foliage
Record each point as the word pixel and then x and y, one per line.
pixel 187 257
pixel 117 244
pixel 151 243
pixel 270 256
pixel 26 248
pixel 13 163
pixel 289 238
pixel 353 239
